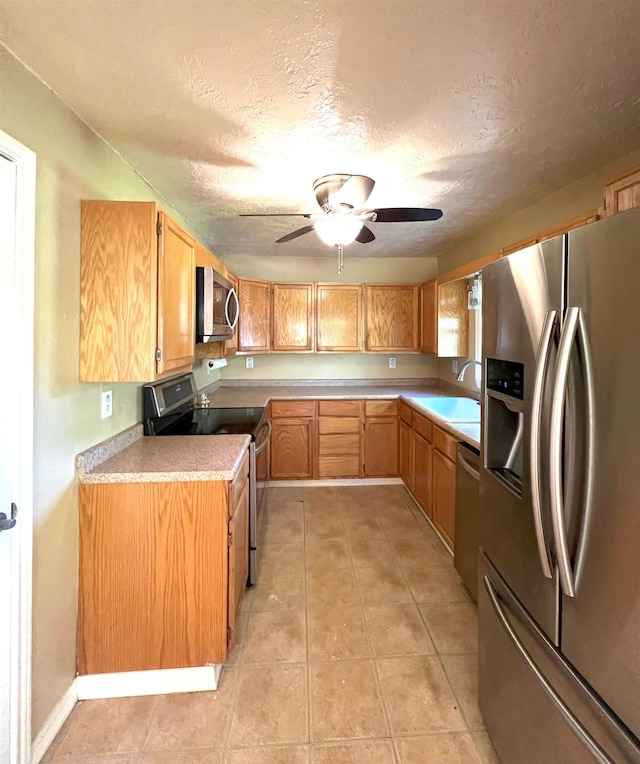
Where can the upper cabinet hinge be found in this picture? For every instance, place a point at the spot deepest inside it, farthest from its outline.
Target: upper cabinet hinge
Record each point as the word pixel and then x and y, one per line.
pixel 158 354
pixel 159 228
pixel 230 539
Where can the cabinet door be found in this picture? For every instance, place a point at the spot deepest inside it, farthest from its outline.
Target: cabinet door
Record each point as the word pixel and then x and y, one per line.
pixel 453 320
pixel 444 495
pixel 254 334
pixel 429 317
pixel 231 346
pixel 238 560
pixel 622 194
pixel 176 293
pixel 391 317
pixel 381 447
pixel 422 473
pixel 339 319
pixel 292 448
pixel 405 455
pixel 292 317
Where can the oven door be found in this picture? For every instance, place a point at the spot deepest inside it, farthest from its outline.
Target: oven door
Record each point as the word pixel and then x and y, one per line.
pixel 259 483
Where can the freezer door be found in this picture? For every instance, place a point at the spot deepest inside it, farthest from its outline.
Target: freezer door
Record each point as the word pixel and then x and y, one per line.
pixel 536 709
pixel 521 293
pixel 600 630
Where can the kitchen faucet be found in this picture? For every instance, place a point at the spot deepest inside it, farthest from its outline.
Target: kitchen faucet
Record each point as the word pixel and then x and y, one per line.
pixel 465 366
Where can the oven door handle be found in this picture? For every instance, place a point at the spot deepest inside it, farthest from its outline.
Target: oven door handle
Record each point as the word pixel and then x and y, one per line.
pixel 268 425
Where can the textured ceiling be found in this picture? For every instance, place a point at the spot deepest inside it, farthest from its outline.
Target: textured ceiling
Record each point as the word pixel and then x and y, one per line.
pixel 478 107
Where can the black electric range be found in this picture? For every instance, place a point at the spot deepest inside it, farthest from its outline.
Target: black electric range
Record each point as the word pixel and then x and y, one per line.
pixel 173 407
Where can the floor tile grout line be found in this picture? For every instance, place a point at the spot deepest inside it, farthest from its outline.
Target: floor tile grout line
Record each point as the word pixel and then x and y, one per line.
pixel 306 620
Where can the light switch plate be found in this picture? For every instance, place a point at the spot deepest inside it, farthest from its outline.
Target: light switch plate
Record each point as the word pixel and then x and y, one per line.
pixel 248 362
pixel 392 363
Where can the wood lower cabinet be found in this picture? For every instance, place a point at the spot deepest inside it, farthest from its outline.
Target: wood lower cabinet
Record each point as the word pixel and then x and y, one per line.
pixel 254 325
pixel 339 319
pixel 391 317
pixel 444 495
pixel 422 473
pixel 292 317
pixel 406 460
pixel 381 438
pixel 160 576
pixel 292 439
pixel 137 313
pixel 339 439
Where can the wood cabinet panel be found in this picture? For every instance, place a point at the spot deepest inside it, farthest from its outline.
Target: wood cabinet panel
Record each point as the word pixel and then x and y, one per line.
pixel 444 442
pixel 152 560
pixel 422 425
pixel 292 454
pixel 238 572
pixel 406 472
pixel 254 325
pixel 339 444
pixel 381 447
pixel 422 454
pixel 343 466
pixel 381 408
pixel 518 245
pixel 453 320
pixel 429 317
pixel 339 322
pixel 337 425
pixel 292 409
pixel 570 225
pixel 137 291
pixel 176 297
pixel 292 317
pixel 405 411
pixel 444 496
pixel 391 317
pixel 340 408
pixel 622 194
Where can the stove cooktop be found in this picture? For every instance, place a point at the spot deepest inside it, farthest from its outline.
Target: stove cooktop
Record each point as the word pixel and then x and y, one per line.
pixel 231 421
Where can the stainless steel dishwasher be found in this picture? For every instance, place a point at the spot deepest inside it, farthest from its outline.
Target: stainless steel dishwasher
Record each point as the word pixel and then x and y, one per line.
pixel 465 555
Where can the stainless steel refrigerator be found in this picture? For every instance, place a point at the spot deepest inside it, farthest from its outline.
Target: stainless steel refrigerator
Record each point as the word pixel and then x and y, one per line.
pixel 559 567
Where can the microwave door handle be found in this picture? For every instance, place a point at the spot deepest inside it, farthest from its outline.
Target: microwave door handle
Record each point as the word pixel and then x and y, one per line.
pixel 231 324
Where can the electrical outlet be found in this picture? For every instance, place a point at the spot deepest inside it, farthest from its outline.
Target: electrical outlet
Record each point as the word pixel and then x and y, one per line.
pixel 392 363
pixel 106 408
pixel 248 362
pixel 455 367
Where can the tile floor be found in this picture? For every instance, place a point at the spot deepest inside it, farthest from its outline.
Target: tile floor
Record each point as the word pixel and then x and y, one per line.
pixel 357 646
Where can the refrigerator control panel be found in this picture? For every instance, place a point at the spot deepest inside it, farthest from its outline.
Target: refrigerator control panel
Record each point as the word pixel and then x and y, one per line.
pixel 505 377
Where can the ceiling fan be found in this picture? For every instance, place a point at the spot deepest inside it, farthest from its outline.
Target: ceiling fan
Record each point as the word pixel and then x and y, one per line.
pixel 341 197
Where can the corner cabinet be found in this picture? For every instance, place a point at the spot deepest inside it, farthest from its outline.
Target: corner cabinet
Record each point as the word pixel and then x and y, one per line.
pixel 137 307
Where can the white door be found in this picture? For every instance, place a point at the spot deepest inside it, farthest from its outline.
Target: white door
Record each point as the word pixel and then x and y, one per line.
pixel 17 198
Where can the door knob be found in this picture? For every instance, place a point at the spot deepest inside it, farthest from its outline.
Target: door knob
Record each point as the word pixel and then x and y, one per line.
pixel 7 523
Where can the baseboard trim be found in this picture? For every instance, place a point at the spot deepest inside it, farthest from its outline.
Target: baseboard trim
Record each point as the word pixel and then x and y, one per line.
pixel 53 723
pixel 334 481
pixel 161 682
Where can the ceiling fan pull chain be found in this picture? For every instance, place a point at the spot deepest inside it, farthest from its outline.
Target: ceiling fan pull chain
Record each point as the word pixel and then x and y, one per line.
pixel 340 258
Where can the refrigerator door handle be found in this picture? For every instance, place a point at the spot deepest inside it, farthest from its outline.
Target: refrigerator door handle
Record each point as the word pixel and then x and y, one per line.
pixel 562 707
pixel 542 365
pixel 565 347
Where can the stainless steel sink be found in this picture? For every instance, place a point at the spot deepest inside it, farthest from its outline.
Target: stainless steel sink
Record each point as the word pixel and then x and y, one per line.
pixel 452 409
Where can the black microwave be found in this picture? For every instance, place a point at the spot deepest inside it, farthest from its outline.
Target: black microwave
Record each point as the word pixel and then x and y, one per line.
pixel 217 306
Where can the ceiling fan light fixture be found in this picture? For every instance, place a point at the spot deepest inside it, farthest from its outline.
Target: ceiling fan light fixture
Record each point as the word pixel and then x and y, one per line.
pixel 338 229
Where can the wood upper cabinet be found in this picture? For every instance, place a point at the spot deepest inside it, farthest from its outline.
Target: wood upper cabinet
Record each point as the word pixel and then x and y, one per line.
pixel 339 319
pixel 254 332
pixel 381 438
pixel 292 439
pixel 623 193
pixel 391 317
pixel 453 319
pixel 429 317
pixel 293 317
pixel 137 293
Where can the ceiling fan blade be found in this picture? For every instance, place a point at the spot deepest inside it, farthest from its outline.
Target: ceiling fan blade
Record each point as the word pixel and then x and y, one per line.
pixel 356 191
pixel 295 234
pixel 365 235
pixel 405 214
pixel 275 215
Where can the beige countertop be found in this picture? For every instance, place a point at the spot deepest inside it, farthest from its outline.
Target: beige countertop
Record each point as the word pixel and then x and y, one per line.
pixel 172 458
pixel 256 395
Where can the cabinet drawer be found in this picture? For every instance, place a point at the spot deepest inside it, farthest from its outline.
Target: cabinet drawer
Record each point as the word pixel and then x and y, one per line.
pixel 338 444
pixel 339 408
pixel 405 411
pixel 237 484
pixel 381 408
pixel 338 425
pixel 339 466
pixel 292 408
pixel 422 425
pixel 444 442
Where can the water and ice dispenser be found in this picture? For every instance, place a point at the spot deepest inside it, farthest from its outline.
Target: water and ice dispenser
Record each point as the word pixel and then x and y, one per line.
pixel 504 422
